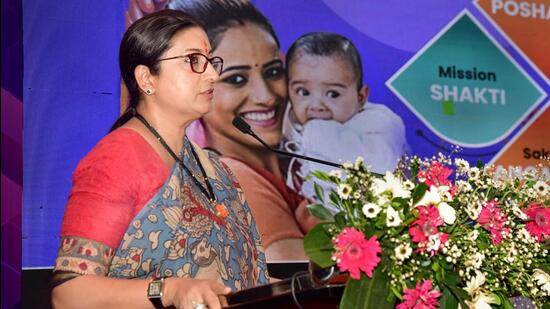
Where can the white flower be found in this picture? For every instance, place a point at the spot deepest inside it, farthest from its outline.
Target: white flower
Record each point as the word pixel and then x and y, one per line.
pixel 542 188
pixel 525 236
pixel 403 251
pixel 390 184
pixel 462 166
pixel 434 197
pixel 541 277
pixel 444 193
pixel 474 173
pixel 447 212
pixel 482 300
pixel 408 185
pixel 396 186
pixel 473 235
pixel 392 217
pixel 475 260
pixel 344 190
pixel 463 186
pixel 358 162
pixel 434 242
pixel 473 210
pixel 474 285
pixel 430 197
pixel 347 165
pixel 371 210
pixel 335 173
pixel 379 186
pixel 520 214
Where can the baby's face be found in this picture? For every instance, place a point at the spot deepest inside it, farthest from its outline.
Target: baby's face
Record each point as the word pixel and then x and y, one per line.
pixel 323 87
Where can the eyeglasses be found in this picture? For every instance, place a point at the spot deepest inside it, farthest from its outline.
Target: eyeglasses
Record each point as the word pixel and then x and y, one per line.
pixel 199 62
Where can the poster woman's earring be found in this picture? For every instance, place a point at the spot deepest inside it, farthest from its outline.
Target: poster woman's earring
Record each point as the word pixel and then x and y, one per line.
pixel 149 92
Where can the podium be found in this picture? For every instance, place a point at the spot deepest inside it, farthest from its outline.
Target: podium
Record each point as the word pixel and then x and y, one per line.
pixel 300 291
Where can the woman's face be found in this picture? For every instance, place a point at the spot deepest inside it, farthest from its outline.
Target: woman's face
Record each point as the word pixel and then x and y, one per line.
pixel 177 87
pixel 252 85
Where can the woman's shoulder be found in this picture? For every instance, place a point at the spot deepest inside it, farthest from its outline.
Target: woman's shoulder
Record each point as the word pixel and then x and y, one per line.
pixel 122 140
pixel 121 150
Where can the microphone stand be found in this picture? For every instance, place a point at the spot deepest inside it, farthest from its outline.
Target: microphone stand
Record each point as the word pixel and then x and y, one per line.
pixel 288 154
pixel 244 127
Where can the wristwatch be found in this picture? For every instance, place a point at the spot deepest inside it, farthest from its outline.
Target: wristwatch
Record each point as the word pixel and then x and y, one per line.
pixel 155 290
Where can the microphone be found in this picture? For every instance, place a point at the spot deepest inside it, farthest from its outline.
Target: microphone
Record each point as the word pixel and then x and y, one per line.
pixel 244 127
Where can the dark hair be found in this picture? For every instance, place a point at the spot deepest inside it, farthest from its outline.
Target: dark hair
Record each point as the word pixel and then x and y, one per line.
pixel 327 44
pixel 144 43
pixel 217 16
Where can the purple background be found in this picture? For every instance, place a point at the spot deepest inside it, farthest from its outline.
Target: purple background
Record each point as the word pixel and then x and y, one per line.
pixel 12 129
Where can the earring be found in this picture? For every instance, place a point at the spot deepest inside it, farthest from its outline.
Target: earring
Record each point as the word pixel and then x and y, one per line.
pixel 149 92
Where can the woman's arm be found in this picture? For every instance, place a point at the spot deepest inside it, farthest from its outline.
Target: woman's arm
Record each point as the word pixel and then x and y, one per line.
pixel 90 291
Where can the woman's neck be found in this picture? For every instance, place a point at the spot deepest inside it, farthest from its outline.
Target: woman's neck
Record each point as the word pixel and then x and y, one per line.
pixel 170 128
pixel 258 156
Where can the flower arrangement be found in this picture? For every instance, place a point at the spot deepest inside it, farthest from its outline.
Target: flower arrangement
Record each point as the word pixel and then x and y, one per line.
pixel 437 233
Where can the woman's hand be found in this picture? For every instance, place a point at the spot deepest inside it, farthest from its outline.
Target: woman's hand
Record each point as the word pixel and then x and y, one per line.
pixel 185 293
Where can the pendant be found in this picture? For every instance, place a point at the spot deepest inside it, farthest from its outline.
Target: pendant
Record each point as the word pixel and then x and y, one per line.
pixel 221 211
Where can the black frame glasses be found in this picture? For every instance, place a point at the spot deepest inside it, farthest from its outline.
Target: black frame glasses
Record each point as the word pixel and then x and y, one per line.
pixel 199 62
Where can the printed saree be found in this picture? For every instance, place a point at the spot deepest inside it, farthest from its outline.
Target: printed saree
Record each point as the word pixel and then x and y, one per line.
pixel 180 233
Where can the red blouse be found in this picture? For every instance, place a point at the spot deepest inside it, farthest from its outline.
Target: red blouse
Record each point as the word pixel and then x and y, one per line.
pixel 111 185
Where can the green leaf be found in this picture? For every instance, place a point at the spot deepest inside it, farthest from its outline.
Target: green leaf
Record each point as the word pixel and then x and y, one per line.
pixel 480 165
pixel 451 278
pixel 322 176
pixel 333 196
pixel 320 212
pixel 319 192
pixel 396 292
pixel 340 219
pixel 318 246
pixel 459 294
pixel 447 300
pixel 483 245
pixel 418 192
pixel 369 293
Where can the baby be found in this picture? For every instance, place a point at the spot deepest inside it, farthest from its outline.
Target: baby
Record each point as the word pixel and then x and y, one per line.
pixel 328 116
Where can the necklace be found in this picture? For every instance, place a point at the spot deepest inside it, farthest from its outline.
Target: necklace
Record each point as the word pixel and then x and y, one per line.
pixel 208 192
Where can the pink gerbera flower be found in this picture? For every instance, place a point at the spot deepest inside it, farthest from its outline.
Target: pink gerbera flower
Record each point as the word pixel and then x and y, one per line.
pixel 422 297
pixel 539 221
pixel 424 230
pixel 492 219
pixel 355 253
pixel 436 175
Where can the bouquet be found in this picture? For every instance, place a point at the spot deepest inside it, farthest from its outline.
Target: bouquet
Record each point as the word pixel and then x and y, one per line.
pixel 436 233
